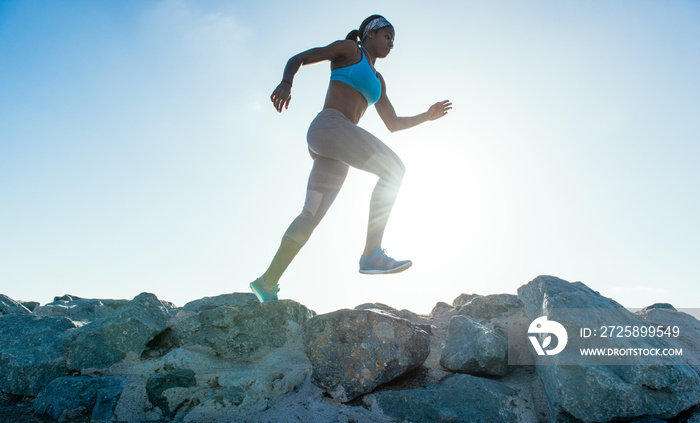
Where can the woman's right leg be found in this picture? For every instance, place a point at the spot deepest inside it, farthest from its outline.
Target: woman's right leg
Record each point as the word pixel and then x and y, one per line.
pixel 326 179
pixel 336 137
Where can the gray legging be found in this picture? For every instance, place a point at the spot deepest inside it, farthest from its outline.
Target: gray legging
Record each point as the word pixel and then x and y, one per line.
pixel 335 144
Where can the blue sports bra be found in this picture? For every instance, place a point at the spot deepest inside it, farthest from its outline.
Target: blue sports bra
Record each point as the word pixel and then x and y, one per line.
pixel 361 77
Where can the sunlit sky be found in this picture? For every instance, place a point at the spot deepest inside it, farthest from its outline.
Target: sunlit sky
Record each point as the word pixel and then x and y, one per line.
pixel 139 150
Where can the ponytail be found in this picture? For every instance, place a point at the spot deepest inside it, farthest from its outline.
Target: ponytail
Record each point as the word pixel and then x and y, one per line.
pixel 353 35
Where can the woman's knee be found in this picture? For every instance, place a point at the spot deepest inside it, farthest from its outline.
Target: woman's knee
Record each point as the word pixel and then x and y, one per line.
pixel 388 167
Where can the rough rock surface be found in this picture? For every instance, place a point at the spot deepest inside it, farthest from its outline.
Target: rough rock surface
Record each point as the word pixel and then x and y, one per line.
pixel 688 326
pixel 10 306
pixel 31 355
pixel 94 396
pixel 354 351
pixel 230 359
pixel 639 389
pixel 458 399
pixel 79 309
pixel 474 349
pixel 121 334
pixel 237 326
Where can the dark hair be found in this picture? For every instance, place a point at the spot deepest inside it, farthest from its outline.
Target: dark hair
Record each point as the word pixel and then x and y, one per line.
pixel 356 34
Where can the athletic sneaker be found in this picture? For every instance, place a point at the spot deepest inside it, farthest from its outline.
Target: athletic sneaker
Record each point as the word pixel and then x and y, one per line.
pixel 379 263
pixel 263 295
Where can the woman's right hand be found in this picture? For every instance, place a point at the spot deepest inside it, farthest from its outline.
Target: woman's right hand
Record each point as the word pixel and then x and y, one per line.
pixel 282 96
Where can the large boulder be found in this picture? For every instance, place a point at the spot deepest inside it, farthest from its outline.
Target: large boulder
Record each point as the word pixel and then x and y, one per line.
pixel 237 326
pixel 666 316
pixel 474 349
pixel 120 335
pixel 354 351
pixel 582 387
pixel 458 399
pixel 10 306
pixel 497 313
pixel 31 354
pixel 79 309
pixel 80 395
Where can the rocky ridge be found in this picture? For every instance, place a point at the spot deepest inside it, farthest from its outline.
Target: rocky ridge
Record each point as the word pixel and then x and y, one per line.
pixel 231 359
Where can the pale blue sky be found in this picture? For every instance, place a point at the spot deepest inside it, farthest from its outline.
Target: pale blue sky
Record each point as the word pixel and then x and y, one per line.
pixel 139 150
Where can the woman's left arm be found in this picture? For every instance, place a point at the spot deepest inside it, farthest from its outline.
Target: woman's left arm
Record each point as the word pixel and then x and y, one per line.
pixel 397 123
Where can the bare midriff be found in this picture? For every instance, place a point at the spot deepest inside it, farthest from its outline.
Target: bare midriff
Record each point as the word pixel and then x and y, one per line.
pixel 346 100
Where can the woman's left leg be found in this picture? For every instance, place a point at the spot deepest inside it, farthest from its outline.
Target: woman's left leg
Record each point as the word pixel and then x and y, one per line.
pixel 326 179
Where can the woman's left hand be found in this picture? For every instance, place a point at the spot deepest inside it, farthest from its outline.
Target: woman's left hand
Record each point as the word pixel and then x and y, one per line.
pixel 438 110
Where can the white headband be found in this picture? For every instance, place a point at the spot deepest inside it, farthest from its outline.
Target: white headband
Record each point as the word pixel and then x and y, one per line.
pixel 374 25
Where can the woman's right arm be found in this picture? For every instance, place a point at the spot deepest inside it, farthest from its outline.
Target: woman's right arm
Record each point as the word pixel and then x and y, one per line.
pixel 335 51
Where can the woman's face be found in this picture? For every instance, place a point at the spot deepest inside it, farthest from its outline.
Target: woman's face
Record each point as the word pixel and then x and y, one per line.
pixel 382 41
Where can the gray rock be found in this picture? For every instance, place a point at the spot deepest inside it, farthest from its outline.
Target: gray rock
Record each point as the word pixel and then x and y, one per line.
pixel 31 355
pixel 124 333
pixel 236 299
pixel 494 311
pixel 79 309
pixel 76 395
pixel 10 306
pixel 688 328
pixel 584 392
pixel 225 390
pixel 354 351
pixel 422 322
pixel 30 305
pixel 463 299
pixel 502 314
pixel 106 403
pixel 659 305
pixel 156 385
pixel 460 398
pixel 308 404
pixel 474 349
pixel 237 326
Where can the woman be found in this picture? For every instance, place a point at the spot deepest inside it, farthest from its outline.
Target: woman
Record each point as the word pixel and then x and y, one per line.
pixel 336 143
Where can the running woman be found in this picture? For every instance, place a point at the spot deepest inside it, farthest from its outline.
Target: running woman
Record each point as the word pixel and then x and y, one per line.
pixel 336 142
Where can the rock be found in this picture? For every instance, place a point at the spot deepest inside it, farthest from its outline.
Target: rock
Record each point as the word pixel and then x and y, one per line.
pixel 688 329
pixel 584 391
pixel 422 322
pixel 31 354
pixel 76 395
pixel 463 299
pixel 30 305
pixel 156 385
pixel 659 305
pixel 225 390
pixel 354 351
pixel 459 398
pixel 237 326
pixel 79 309
pixel 309 404
pixel 10 306
pixel 494 311
pixel 474 349
pixel 124 333
pixel 502 314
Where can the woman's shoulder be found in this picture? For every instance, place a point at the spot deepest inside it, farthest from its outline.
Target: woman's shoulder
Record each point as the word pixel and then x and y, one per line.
pixel 344 51
pixel 345 47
